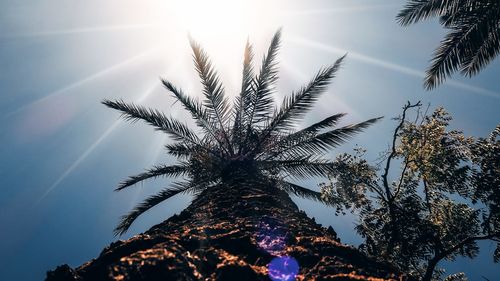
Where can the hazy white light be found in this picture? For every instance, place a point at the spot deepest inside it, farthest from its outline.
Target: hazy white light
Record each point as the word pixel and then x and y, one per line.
pixel 222 27
pixel 220 18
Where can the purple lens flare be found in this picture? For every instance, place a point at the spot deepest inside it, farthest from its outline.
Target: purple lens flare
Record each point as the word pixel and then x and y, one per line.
pixel 271 237
pixel 283 269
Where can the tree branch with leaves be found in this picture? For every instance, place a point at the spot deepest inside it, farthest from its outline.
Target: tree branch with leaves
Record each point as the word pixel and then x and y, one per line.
pixel 410 215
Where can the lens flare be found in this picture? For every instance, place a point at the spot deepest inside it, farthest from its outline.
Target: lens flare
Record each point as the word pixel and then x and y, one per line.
pixel 271 237
pixel 283 269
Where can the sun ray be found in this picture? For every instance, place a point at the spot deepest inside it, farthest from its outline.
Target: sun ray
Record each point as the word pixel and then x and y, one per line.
pixel 359 8
pixel 388 65
pixel 83 81
pixel 92 147
pixel 80 159
pixel 80 30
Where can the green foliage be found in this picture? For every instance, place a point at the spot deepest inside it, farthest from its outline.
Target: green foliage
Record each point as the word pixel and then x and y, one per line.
pixel 456 277
pixel 485 175
pixel 472 42
pixel 253 139
pixel 427 212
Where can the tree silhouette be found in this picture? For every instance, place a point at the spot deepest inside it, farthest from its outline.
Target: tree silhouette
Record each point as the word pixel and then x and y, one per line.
pixel 250 140
pixel 473 39
pixel 426 213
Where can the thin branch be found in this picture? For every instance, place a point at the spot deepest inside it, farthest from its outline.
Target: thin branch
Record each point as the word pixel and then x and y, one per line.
pixel 427 196
pixel 390 198
pixel 377 190
pixel 401 178
pixel 393 147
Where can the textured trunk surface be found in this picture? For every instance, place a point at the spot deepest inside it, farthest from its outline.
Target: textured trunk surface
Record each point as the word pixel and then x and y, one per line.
pixel 231 234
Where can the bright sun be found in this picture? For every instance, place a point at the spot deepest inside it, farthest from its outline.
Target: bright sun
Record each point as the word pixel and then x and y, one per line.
pixel 220 19
pixel 216 17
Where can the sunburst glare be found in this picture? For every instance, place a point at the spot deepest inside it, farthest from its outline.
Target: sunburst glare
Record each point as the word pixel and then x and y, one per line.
pixel 220 19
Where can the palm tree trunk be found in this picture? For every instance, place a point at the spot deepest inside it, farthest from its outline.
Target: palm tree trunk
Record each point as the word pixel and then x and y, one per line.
pixel 231 232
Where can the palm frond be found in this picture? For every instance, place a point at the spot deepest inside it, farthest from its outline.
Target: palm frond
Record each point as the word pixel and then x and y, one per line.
pixel 418 10
pixel 323 124
pixel 243 101
pixel 197 110
pixel 156 171
pixel 299 103
pixel 325 141
pixel 302 192
pixel 157 119
pixel 298 168
pixel 262 101
pixel 213 90
pixel 462 42
pixel 180 150
pixel 289 139
pixel 192 105
pixel 446 59
pixel 473 39
pixel 295 106
pixel 307 132
pixel 148 203
pixel 485 51
pixel 247 77
pixel 462 11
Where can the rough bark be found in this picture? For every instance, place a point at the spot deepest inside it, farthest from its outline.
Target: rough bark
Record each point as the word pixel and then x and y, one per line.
pixel 232 232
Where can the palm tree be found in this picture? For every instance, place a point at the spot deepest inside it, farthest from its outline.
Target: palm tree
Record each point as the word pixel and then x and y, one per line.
pixel 252 140
pixel 242 223
pixel 473 39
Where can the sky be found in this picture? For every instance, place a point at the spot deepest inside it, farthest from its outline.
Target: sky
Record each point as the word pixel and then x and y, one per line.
pixel 63 152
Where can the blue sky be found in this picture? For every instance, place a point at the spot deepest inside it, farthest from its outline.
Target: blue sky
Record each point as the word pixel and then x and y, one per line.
pixel 63 152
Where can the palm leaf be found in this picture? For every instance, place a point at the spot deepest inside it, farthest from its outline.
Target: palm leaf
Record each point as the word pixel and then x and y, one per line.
pixel 472 42
pixel 192 105
pixel 325 141
pixel 484 52
pixel 299 168
pixel 323 124
pixel 247 77
pixel 418 10
pixel 299 103
pixel 198 112
pixel 213 90
pixel 463 11
pixel 454 48
pixel 295 106
pixel 180 150
pixel 157 119
pixel 262 101
pixel 156 171
pixel 243 101
pixel 302 192
pixel 148 203
pixel 308 132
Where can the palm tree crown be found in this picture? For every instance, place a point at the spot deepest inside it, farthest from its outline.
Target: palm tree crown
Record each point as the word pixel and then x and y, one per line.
pixel 253 136
pixel 472 42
